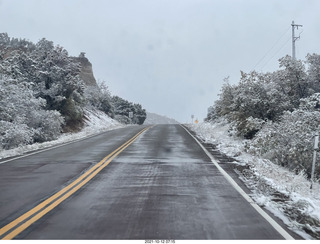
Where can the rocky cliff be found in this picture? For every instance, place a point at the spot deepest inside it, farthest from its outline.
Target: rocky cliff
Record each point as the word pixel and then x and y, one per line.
pixel 86 70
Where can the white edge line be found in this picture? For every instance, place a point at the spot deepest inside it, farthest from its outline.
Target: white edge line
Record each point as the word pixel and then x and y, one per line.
pixel 274 224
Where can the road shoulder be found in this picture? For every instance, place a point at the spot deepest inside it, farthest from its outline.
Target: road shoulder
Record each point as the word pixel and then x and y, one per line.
pixel 234 170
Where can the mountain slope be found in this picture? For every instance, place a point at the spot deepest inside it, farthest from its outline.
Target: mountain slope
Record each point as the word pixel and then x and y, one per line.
pixel 153 118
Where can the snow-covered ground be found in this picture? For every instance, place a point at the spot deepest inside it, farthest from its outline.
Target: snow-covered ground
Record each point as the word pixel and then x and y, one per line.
pixel 96 122
pixel 285 194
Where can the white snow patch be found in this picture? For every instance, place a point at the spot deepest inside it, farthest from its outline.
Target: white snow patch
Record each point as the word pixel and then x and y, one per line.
pixel 266 179
pixel 97 122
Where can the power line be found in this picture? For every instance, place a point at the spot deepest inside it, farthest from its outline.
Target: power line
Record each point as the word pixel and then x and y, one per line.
pixel 294 38
pixel 277 52
pixel 271 48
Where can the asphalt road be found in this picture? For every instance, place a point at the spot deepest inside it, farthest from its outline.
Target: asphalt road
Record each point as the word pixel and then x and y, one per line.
pixel 161 185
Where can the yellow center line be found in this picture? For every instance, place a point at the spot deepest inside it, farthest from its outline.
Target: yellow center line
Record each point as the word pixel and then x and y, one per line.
pixel 83 179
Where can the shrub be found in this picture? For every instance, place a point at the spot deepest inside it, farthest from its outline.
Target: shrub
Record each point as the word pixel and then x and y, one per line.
pixel 13 135
pixel 248 127
pixel 289 142
pixel 47 125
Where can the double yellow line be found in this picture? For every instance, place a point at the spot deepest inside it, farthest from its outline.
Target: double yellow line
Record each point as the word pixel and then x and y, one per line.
pixel 24 221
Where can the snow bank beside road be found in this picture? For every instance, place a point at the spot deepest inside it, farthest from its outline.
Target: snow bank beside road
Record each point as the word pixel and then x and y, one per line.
pixel 97 122
pixel 285 194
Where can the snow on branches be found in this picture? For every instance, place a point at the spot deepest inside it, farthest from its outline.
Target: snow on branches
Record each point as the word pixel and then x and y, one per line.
pixel 278 111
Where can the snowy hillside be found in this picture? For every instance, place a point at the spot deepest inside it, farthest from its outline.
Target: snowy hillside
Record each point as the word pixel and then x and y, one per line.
pixel 96 122
pixel 153 118
pixel 44 92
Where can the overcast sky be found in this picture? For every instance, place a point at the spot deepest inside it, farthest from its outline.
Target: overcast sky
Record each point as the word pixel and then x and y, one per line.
pixel 171 56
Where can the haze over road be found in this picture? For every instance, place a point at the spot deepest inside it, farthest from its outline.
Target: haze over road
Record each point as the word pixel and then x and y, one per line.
pixel 159 185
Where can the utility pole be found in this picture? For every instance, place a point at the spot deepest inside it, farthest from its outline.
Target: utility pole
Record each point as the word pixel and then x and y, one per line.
pixel 294 38
pixel 315 149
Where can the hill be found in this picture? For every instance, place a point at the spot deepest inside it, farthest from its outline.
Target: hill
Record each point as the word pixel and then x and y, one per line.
pixel 45 92
pixel 153 118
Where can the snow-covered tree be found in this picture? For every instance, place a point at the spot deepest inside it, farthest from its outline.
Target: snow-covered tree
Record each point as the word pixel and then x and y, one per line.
pixel 4 40
pixel 99 97
pixel 292 79
pixel 253 101
pixel 53 74
pixel 139 114
pixel 58 81
pixel 225 104
pixel 211 115
pixel 122 109
pixel 313 62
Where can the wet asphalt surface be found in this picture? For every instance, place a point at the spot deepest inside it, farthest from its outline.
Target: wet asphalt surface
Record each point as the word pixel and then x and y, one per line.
pixel 163 186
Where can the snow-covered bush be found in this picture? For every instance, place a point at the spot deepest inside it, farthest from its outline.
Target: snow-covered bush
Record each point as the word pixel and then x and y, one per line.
pixel 311 103
pixel 23 117
pixel 47 125
pixel 13 135
pixel 289 142
pixel 248 127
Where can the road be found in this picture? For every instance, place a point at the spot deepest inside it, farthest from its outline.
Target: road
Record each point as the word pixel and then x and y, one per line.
pixel 158 185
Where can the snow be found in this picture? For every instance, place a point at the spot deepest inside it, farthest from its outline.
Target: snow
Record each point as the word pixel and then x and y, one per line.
pixel 97 122
pixel 285 194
